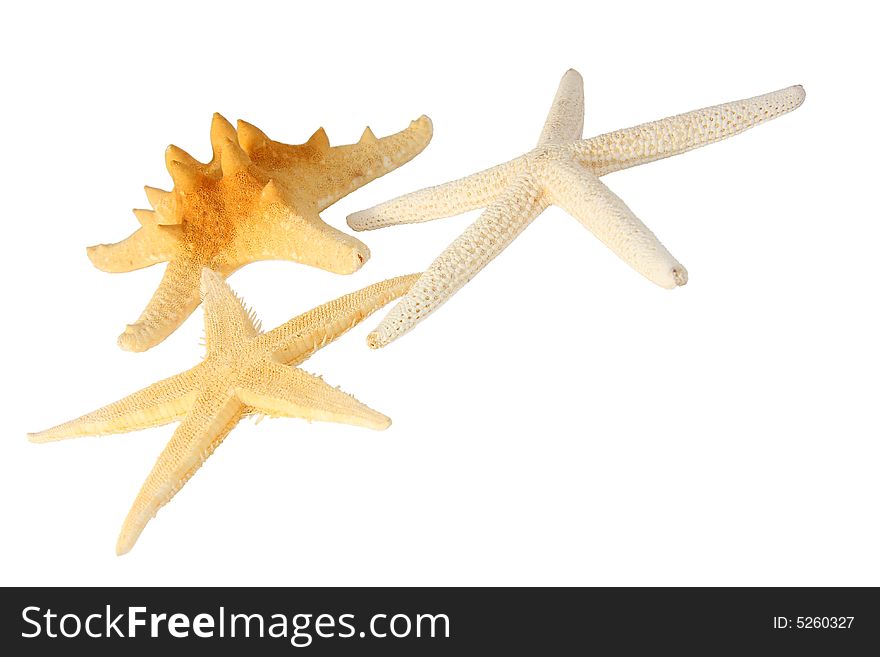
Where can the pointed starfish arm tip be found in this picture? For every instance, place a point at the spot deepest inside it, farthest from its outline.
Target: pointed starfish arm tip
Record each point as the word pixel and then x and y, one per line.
pixel 297 339
pixel 565 120
pixel 375 341
pixel 209 421
pixel 174 300
pixel 580 193
pixel 145 247
pixel 281 391
pixel 354 165
pixel 678 134
pixel 160 403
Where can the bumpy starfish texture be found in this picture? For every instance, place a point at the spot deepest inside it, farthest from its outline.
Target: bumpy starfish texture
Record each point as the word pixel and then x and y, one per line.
pixel 257 199
pixel 563 170
pixel 244 371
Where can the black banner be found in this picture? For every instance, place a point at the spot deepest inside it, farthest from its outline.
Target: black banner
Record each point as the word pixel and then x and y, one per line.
pixel 418 621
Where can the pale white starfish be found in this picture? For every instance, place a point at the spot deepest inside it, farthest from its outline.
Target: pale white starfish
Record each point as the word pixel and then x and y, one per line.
pixel 563 170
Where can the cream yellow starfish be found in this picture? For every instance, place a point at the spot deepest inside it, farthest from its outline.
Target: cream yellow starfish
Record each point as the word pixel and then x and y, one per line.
pixel 563 170
pixel 257 199
pixel 244 371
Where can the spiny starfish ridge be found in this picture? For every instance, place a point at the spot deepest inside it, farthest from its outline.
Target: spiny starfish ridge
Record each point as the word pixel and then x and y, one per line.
pixel 244 371
pixel 563 170
pixel 257 199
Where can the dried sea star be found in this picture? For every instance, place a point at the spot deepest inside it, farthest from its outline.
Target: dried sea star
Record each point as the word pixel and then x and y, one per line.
pixel 244 371
pixel 563 170
pixel 257 199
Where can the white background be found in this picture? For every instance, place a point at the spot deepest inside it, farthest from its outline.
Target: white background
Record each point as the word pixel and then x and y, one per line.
pixel 561 420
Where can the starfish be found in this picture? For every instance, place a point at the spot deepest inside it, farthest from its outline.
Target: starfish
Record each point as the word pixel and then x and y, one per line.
pixel 244 372
pixel 563 170
pixel 257 199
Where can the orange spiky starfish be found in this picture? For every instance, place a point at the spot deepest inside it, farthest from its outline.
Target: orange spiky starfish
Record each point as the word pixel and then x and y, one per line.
pixel 244 372
pixel 257 199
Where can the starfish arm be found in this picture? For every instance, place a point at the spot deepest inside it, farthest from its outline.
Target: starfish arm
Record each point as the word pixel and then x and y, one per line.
pixel 469 193
pixel 227 320
pixel 174 301
pixel 281 391
pixel 209 421
pixel 160 403
pixel 146 246
pixel 565 120
pixel 351 167
pixel 483 240
pixel 677 134
pixel 580 193
pixel 302 238
pixel 294 341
